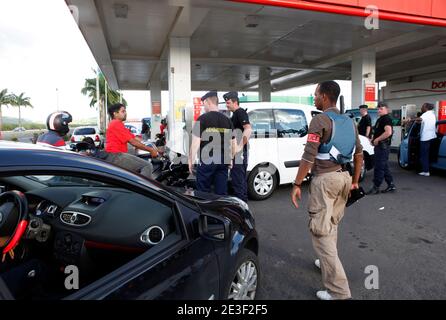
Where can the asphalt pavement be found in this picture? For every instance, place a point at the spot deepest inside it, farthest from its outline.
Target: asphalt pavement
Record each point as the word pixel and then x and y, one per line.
pixel 403 234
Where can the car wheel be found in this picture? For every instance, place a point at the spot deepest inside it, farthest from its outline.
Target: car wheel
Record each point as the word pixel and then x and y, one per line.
pixel 261 183
pixel 244 281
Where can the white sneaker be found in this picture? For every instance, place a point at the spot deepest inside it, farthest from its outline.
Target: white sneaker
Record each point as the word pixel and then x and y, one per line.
pixel 426 174
pixel 317 263
pixel 324 295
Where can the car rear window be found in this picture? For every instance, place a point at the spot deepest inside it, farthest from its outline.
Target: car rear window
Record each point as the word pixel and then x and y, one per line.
pixel 84 131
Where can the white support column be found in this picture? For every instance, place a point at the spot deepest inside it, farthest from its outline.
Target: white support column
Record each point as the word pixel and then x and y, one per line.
pixel 98 104
pixel 106 118
pixel 155 103
pixel 265 85
pixel 363 73
pixel 180 101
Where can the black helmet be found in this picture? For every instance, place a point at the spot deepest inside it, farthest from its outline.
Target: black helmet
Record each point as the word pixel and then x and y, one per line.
pixel 58 121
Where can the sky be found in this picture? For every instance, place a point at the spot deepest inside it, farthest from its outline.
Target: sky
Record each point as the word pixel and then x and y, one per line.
pixel 43 53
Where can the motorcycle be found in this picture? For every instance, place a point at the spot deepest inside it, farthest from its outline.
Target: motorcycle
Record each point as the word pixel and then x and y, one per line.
pixel 171 173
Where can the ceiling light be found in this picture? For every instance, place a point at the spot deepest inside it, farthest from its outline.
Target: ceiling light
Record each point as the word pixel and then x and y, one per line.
pixel 251 21
pixel 124 47
pixel 442 42
pixel 121 10
pixel 214 53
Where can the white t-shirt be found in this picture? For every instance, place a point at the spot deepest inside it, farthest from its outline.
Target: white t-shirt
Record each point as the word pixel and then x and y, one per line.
pixel 428 126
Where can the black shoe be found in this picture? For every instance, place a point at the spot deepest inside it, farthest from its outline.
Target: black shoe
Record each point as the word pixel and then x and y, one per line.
pixel 373 190
pixel 390 188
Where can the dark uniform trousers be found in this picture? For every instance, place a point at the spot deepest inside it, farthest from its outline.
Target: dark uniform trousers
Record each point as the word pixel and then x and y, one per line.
pixel 381 170
pixel 238 177
pixel 213 174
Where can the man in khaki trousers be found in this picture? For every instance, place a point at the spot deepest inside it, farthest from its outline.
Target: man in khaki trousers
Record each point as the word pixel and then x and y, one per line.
pixel 330 187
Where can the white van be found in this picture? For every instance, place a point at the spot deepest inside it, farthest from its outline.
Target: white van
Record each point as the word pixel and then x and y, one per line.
pixel 276 146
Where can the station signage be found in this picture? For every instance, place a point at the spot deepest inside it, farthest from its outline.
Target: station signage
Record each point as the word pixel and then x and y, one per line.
pixel 415 89
pixel 370 95
pixel 438 85
pixel 197 107
pixel 156 107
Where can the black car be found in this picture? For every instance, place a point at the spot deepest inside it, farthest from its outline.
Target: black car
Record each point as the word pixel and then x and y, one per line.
pixel 85 229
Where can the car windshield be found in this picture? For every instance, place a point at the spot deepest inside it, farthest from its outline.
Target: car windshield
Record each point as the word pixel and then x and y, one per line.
pixel 84 131
pixel 53 181
pixel 356 115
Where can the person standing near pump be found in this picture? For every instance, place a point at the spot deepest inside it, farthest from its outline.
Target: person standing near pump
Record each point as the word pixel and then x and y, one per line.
pixel 332 141
pixel 365 124
pixel 428 133
pixel 212 136
pixel 382 137
pixel 242 129
pixel 57 125
pixel 118 136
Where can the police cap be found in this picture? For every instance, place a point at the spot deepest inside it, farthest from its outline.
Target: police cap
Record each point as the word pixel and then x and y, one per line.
pixel 208 95
pixel 230 95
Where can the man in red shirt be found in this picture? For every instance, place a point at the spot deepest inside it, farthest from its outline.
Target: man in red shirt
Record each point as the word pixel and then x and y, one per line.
pixel 163 126
pixel 118 136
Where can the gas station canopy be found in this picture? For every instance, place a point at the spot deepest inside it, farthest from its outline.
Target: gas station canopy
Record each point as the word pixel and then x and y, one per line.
pixel 238 45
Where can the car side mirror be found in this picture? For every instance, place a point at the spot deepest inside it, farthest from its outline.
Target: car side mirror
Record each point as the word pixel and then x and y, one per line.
pixel 303 132
pixel 213 227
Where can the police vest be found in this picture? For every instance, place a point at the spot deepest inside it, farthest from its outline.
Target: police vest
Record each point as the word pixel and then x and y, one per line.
pixel 342 144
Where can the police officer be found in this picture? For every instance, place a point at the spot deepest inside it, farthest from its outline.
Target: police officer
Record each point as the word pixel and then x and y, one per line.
pixel 242 132
pixel 57 125
pixel 330 186
pixel 365 124
pixel 382 137
pixel 212 136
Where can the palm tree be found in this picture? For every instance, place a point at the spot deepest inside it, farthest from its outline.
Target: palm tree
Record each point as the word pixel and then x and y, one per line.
pixel 113 96
pixel 20 101
pixel 5 99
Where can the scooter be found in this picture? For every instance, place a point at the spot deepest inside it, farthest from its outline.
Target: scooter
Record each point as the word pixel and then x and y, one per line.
pixel 175 174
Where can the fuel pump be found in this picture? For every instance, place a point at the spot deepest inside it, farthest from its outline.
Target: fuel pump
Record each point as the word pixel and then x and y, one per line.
pixel 441 115
pixel 408 111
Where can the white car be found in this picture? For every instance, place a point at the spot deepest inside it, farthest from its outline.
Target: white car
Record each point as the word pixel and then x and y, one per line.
pixel 276 146
pixel 19 129
pixel 134 128
pixel 81 133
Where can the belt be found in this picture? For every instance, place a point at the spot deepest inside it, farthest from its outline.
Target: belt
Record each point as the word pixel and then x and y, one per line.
pixel 341 170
